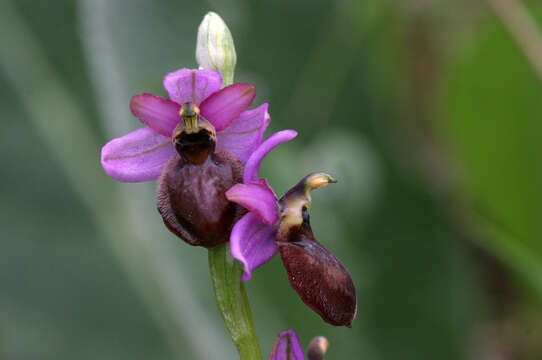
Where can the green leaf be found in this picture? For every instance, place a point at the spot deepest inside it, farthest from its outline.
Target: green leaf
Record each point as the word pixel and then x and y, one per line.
pixel 492 110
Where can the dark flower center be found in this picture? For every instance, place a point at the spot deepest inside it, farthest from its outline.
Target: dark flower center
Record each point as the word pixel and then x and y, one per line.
pixel 194 138
pixel 195 147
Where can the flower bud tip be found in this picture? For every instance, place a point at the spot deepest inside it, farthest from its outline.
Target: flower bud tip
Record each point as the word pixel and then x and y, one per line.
pixel 317 348
pixel 215 49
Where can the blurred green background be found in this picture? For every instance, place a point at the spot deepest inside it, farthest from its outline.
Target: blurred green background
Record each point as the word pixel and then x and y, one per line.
pixel 428 112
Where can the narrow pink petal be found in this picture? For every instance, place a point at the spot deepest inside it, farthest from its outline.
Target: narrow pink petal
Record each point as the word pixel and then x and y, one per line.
pixel 161 115
pixel 137 156
pixel 245 133
pixel 287 347
pixel 192 85
pixel 257 197
pixel 253 164
pixel 252 243
pixel 224 106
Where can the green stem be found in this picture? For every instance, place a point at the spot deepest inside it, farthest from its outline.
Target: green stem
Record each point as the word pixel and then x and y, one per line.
pixel 232 302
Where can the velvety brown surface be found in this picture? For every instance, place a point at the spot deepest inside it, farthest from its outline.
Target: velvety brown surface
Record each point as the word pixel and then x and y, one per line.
pixel 191 199
pixel 318 277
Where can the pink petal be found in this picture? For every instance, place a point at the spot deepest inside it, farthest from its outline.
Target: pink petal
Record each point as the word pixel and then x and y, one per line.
pixel 253 164
pixel 137 156
pixel 287 347
pixel 161 115
pixel 252 243
pixel 257 197
pixel 224 106
pixel 192 85
pixel 245 134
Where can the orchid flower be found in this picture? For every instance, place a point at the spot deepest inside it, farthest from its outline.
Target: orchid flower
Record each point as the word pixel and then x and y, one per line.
pixel 252 239
pixel 282 225
pixel 195 143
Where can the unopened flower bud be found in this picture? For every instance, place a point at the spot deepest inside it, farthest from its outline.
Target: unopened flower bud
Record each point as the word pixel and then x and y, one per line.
pixel 287 347
pixel 215 49
pixel 317 348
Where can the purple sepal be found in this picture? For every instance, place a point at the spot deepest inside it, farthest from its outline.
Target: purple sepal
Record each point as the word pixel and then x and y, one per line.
pixel 245 133
pixel 287 347
pixel 252 243
pixel 137 156
pixel 191 85
pixel 253 164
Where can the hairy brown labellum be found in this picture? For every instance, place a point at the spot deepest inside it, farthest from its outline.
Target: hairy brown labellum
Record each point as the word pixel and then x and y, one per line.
pixel 314 272
pixel 318 277
pixel 191 189
pixel 192 201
